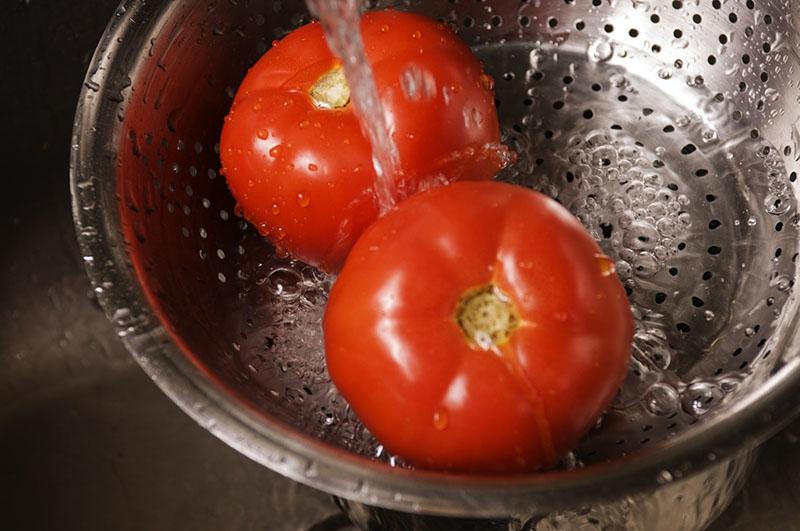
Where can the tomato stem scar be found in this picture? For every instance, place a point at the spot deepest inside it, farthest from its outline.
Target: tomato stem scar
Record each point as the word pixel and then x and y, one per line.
pixel 486 316
pixel 331 91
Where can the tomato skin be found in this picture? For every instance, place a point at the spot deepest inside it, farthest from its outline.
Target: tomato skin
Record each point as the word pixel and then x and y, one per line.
pixel 303 175
pixel 397 354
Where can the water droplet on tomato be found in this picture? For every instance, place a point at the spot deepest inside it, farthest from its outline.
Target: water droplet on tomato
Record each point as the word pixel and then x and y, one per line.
pixel 280 234
pixel 257 107
pixel 263 134
pixel 440 420
pixel 417 83
pixel 304 124
pixel 223 170
pixel 263 229
pixel 385 28
pixel 276 209
pixel 417 34
pixel 448 92
pixel 606 265
pixel 303 200
pixel 312 167
pixel 276 151
pixel 472 117
pixel 250 183
pixel 228 118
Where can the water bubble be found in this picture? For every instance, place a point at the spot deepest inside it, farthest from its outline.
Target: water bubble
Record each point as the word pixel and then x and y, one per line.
pixel 665 73
pixel 700 397
pixel 645 265
pixel 600 51
pixel 709 136
pixel 618 80
pixel 772 94
pixel 284 283
pixel 665 476
pixel 777 204
pixel 783 283
pixel 661 399
pixel 641 236
pixel 708 315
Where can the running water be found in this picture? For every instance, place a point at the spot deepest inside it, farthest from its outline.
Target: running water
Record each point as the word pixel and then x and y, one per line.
pixel 340 20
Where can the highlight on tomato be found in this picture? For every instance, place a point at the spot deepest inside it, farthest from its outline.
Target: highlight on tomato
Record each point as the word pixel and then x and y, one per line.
pixel 292 147
pixel 478 328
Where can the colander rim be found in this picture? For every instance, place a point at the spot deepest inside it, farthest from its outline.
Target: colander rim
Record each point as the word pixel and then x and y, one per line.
pixel 324 467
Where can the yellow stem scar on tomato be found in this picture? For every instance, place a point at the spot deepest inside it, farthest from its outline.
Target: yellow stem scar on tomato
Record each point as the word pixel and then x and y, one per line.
pixel 487 317
pixel 331 91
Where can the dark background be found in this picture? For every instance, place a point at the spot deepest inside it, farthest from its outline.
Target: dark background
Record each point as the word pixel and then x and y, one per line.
pixel 87 441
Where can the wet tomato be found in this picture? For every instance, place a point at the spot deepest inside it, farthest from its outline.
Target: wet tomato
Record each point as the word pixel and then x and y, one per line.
pixel 478 328
pixel 293 151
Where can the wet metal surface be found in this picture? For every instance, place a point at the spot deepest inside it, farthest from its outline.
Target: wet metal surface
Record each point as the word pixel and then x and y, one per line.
pixel 88 442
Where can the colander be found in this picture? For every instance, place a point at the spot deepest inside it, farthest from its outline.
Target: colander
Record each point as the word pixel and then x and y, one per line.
pixel 670 129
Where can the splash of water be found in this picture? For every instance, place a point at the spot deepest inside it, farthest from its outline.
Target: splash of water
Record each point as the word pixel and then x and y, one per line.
pixel 340 20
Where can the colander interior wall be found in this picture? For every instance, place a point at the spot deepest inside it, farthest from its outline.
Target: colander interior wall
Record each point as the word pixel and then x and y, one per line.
pixel 700 97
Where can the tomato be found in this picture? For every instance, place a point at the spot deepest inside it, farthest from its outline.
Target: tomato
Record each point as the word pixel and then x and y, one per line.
pixel 293 151
pixel 478 328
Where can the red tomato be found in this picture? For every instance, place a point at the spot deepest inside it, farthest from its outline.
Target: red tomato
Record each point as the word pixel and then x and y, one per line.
pixel 292 147
pixel 478 328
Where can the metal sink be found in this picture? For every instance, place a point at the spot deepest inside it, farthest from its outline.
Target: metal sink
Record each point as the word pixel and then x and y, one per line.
pixel 90 442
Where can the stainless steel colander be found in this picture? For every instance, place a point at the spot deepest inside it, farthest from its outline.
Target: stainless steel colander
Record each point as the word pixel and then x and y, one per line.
pixel 671 129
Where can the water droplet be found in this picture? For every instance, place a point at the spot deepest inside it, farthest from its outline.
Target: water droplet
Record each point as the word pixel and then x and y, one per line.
pixel 417 83
pixel 275 209
pixel 700 397
pixel 312 167
pixel 708 315
pixel 777 204
pixel 605 264
pixel 473 117
pixel 600 50
pixel 661 399
pixel 440 420
pixel 276 151
pixel 665 73
pixel 303 200
pixel 645 265
pixel 709 136
pixel 665 476
pixel 640 236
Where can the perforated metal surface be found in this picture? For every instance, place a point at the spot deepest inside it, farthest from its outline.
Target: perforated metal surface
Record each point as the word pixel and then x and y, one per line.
pixel 669 129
